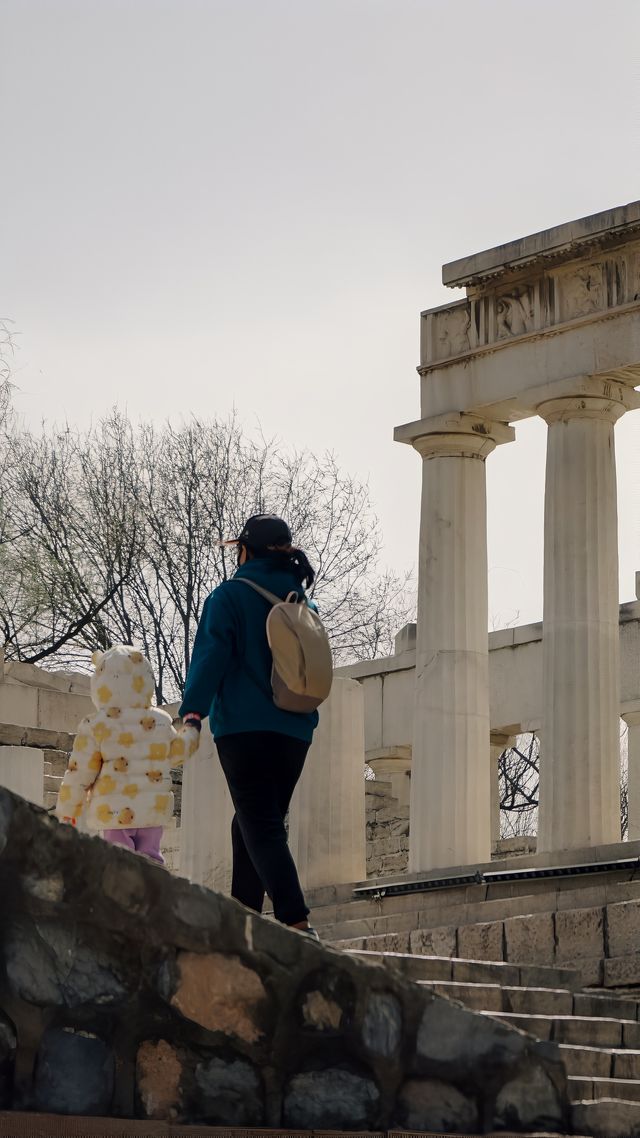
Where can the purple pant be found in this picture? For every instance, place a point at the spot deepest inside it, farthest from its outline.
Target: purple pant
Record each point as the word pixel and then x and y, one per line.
pixel 144 841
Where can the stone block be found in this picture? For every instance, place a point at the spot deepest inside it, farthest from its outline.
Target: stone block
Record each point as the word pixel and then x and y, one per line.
pixel 538 1001
pixel 599 1032
pixel 482 941
pixel 579 934
pixel 382 1025
pixel 47 965
pixel 540 976
pixel 228 1093
pixel 221 994
pixel 453 1042
pixel 626 1064
pixel 591 971
pixel 158 1074
pixel 623 928
pixel 387 942
pixel 332 1098
pixel 595 1004
pixel 530 939
pixel 622 971
pixel 606 1119
pixel 434 942
pixel 394 863
pixel 392 814
pixel 434 1106
pixel 74 1073
pixel 631 1035
pixel 481 972
pixel 530 1101
pixel 588 1062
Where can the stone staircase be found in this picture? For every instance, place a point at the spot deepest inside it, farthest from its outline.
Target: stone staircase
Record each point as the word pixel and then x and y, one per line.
pixel 55 764
pixel 556 958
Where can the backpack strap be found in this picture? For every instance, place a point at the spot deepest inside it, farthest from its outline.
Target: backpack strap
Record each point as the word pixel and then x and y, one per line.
pixel 270 597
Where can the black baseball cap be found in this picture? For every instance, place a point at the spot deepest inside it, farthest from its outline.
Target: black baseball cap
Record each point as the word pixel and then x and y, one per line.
pixel 262 531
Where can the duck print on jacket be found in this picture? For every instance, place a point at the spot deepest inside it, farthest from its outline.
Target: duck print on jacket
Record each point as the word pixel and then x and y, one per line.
pixel 124 751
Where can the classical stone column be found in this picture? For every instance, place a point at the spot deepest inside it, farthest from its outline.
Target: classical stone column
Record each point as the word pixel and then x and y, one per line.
pixel 450 783
pixel 207 810
pixel 498 743
pixel 580 771
pixel 632 719
pixel 326 820
pixel 22 771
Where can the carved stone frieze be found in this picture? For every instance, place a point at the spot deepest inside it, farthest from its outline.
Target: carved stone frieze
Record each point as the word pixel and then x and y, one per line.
pixel 500 313
pixel 515 311
pixel 582 291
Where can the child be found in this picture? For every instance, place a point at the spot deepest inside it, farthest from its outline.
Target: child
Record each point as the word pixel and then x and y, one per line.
pixel 123 754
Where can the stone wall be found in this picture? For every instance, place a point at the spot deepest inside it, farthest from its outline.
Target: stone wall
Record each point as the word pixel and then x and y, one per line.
pixel 125 992
pixel 387 830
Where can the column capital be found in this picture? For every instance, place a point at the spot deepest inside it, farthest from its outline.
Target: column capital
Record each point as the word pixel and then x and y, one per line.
pixel 455 434
pixel 584 397
pixel 631 716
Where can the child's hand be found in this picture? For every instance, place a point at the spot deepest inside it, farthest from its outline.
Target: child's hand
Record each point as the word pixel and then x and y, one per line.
pixel 191 736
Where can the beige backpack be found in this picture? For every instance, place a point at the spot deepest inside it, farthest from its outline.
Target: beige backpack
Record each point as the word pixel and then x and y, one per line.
pixel 302 665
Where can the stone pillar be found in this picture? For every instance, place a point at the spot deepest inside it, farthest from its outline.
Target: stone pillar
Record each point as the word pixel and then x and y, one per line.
pixel 498 743
pixel 632 719
pixel 327 820
pixel 207 810
pixel 580 773
pixel 22 771
pixel 393 764
pixel 450 785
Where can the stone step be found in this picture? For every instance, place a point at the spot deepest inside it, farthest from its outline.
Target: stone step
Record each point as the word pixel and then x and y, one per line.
pixel 581 1030
pixel 606 1118
pixel 495 998
pixel 581 1088
pixel 473 971
pixel 55 762
pixel 600 1062
pixel 596 1003
pixel 474 904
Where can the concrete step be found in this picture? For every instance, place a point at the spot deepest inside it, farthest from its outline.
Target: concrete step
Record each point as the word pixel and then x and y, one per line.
pixel 582 1088
pixel 473 971
pixel 581 1030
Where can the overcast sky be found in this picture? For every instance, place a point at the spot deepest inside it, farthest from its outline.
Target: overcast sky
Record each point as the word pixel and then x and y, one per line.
pixel 218 203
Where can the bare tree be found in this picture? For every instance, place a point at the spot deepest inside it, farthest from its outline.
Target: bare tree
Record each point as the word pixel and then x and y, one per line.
pixel 123 539
pixel 519 786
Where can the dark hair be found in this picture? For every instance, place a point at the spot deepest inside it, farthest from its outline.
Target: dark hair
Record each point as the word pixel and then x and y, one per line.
pixel 291 558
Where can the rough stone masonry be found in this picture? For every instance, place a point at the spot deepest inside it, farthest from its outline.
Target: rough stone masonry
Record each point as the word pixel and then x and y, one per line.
pixel 125 992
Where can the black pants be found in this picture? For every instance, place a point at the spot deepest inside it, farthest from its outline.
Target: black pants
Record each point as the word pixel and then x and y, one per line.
pixel 262 769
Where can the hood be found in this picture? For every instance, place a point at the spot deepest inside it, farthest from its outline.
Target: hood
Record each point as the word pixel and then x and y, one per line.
pixel 123 678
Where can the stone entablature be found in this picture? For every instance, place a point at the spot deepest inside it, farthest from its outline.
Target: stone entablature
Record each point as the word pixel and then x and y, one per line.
pixel 531 302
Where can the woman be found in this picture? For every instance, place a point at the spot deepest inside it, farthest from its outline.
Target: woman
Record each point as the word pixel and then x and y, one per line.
pixel 262 749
